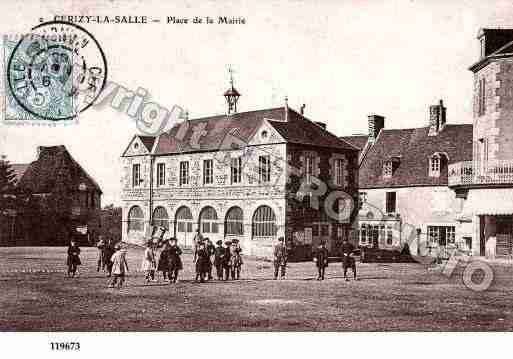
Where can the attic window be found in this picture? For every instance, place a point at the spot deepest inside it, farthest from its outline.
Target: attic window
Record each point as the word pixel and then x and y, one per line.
pixel 136 145
pixel 434 166
pixel 264 134
pixel 388 169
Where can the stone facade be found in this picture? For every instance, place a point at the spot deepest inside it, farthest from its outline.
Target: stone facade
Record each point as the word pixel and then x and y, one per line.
pixel 196 198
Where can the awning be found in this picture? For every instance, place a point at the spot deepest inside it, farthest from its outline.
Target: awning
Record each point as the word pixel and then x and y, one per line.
pixel 488 201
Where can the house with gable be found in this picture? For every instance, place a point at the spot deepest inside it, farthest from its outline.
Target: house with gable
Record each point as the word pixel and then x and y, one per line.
pixel 254 176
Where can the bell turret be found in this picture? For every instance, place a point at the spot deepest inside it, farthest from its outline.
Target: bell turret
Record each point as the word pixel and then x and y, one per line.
pixel 231 95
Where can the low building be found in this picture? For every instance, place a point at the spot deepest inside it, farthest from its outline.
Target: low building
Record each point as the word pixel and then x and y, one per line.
pixel 56 200
pixel 255 176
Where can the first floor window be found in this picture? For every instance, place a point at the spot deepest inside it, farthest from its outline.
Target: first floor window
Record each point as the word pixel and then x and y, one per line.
pixel 208 172
pixel 264 169
pixel 387 169
pixel 136 175
pixel 339 172
pixel 161 174
pixel 390 202
pixel 309 168
pixel 362 198
pixel 434 166
pixel 236 170
pixel 184 173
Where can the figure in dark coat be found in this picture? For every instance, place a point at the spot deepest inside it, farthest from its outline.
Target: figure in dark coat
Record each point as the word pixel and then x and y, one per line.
pixel 280 258
pixel 347 258
pixel 321 260
pixel 108 252
pixel 219 259
pixel 175 262
pixel 73 260
pixel 202 262
pixel 226 260
pixel 163 265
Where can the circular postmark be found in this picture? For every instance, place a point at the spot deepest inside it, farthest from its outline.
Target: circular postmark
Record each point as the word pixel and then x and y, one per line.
pixel 56 71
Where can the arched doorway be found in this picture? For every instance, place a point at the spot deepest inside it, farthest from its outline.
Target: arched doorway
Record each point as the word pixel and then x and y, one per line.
pixel 264 223
pixel 135 220
pixel 208 221
pixel 233 223
pixel 183 226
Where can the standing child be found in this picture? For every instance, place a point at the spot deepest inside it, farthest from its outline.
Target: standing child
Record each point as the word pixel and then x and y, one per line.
pixel 235 259
pixel 119 266
pixel 108 253
pixel 226 260
pixel 73 260
pixel 175 262
pixel 202 262
pixel 163 265
pixel 321 260
pixel 148 264
pixel 101 254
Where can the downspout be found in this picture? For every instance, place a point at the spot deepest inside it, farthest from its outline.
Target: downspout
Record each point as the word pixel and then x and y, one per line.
pixel 152 160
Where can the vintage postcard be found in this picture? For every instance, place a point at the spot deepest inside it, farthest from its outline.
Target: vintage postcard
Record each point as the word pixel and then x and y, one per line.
pixel 273 166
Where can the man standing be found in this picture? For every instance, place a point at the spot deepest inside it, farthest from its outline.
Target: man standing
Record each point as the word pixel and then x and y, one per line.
pixel 280 258
pixel 347 258
pixel 226 260
pixel 321 260
pixel 219 259
pixel 211 249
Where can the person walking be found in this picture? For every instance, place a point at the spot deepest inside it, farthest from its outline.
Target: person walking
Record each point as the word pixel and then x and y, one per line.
pixel 119 266
pixel 219 259
pixel 321 260
pixel 175 262
pixel 148 264
pixel 347 258
pixel 280 258
pixel 73 260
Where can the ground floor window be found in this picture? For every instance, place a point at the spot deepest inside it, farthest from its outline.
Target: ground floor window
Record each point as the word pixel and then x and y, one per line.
pixel 233 223
pixel 208 220
pixel 135 219
pixel 160 218
pixel 376 234
pixel 184 220
pixel 264 222
pixel 442 235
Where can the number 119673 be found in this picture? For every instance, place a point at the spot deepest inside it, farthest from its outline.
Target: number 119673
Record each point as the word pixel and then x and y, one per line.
pixel 64 346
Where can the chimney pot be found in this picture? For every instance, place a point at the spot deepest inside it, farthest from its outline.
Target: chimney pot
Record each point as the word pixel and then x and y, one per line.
pixel 303 109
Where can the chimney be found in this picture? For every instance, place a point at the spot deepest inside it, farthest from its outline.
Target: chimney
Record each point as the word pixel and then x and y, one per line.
pixel 286 108
pixel 437 118
pixel 321 124
pixel 376 124
pixel 303 109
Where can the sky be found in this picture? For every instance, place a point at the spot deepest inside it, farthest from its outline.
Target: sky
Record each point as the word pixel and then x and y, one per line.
pixel 343 59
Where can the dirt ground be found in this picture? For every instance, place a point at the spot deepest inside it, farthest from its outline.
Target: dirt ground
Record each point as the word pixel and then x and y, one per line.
pixel 35 295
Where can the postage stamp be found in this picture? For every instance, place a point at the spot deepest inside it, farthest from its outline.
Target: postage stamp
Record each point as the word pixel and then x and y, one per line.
pixel 53 74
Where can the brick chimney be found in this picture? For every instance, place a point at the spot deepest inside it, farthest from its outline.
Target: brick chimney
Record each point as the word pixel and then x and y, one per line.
pixel 437 118
pixel 376 124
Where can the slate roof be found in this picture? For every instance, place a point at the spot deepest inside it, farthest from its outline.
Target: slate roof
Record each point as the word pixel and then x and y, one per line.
pixel 413 147
pixel 243 125
pixel 55 168
pixel 358 141
pixel 19 169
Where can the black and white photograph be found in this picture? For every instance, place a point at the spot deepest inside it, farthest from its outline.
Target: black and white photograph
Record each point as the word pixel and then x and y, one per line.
pixel 332 174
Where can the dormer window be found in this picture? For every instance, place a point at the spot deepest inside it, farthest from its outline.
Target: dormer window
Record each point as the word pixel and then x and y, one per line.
pixel 436 163
pixel 434 166
pixel 390 166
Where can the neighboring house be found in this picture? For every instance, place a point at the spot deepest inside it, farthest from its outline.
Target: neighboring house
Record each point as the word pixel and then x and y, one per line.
pixel 404 192
pixel 58 201
pixel 237 176
pixel 486 181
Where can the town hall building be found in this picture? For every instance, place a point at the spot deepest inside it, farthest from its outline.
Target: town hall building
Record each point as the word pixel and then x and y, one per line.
pixel 254 176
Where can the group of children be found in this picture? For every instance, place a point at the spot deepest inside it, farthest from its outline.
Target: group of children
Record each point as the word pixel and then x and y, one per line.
pixel 226 259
